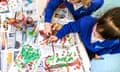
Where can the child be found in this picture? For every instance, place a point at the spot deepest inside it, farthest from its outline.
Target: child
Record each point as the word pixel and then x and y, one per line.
pixel 78 9
pixel 99 36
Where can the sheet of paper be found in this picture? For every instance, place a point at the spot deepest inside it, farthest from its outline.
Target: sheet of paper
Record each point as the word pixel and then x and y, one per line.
pixel 27 60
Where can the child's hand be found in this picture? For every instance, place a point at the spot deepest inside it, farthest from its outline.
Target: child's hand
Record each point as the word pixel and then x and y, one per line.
pixel 47 29
pixel 97 57
pixel 53 38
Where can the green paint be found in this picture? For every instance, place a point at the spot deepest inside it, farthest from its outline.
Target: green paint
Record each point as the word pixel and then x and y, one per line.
pixel 29 54
pixel 62 65
pixel 70 41
pixel 58 65
pixel 51 58
pixel 64 58
pixel 31 33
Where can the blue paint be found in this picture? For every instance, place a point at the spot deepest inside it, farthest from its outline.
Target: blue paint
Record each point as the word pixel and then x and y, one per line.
pixel 30 1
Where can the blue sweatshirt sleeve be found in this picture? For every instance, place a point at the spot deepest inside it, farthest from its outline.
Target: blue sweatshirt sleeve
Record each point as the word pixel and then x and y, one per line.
pixel 95 5
pixel 71 27
pixel 84 28
pixel 51 7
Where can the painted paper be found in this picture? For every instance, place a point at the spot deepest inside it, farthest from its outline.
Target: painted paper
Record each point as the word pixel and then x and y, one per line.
pixel 27 59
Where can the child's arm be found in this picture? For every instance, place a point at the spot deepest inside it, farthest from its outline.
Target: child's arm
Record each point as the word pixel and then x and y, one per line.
pixel 96 4
pixel 71 27
pixel 51 7
pixel 49 11
pixel 93 6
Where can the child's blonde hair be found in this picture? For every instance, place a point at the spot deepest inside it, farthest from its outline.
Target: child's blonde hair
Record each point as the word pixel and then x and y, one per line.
pixel 86 3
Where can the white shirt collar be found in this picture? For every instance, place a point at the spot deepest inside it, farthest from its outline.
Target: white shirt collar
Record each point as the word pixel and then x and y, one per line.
pixel 94 39
pixel 77 5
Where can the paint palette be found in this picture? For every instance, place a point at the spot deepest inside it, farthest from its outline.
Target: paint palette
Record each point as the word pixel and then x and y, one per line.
pixel 27 60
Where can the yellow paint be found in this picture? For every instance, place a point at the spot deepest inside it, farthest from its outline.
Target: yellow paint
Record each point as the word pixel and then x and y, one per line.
pixel 9 58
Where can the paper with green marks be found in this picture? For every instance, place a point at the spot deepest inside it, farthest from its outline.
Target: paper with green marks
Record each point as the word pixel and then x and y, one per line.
pixel 64 59
pixel 27 60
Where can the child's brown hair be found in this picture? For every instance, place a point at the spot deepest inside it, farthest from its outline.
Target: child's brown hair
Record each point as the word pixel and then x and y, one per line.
pixel 108 25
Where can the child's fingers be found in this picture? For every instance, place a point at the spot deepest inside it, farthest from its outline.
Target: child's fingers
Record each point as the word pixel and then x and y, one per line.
pixel 43 42
pixel 47 29
pixel 97 57
pixel 53 38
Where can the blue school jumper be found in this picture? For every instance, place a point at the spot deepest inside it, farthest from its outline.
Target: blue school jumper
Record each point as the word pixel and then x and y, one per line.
pixel 84 27
pixel 80 12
